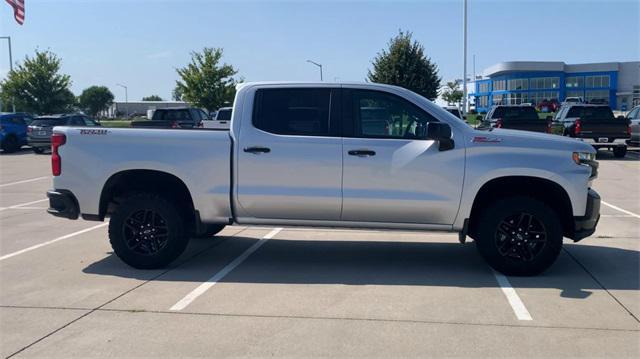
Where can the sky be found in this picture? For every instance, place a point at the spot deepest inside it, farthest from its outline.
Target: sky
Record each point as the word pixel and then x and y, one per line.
pixel 141 43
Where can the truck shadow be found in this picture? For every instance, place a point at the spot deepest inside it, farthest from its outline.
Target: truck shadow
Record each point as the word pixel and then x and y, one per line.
pixel 292 261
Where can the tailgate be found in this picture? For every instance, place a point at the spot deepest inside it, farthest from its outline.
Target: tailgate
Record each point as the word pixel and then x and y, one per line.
pixel 610 128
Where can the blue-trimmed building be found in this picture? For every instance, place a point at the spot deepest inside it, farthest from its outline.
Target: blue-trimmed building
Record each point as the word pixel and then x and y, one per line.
pixel 516 82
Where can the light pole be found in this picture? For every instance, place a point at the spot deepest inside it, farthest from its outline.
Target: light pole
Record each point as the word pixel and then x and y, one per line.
pixel 126 100
pixel 464 55
pixel 317 64
pixel 10 64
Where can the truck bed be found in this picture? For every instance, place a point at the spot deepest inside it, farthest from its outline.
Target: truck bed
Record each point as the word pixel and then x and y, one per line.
pixel 200 158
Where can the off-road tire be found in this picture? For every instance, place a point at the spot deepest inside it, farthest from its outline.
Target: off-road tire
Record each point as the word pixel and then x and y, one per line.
pixel 165 218
pixel 501 254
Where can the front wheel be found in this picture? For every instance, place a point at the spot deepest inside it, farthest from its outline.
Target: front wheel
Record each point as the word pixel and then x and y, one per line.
pixel 519 236
pixel 10 144
pixel 147 232
pixel 620 151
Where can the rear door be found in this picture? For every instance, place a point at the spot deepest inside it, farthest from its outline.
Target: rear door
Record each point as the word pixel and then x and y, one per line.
pixel 289 159
pixel 389 175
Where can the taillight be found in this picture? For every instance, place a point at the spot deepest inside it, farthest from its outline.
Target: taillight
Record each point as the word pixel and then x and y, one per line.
pixel 499 123
pixel 174 124
pixel 629 129
pixel 57 140
pixel 578 127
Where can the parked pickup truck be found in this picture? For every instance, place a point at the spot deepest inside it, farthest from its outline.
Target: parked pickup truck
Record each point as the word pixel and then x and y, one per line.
pixel 515 117
pixel 596 125
pixel 298 154
pixel 178 117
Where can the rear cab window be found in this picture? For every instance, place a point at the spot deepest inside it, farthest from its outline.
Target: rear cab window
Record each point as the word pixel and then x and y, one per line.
pixel 516 113
pixel 587 113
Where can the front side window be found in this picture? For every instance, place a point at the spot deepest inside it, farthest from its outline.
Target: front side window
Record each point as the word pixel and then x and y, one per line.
pixel 382 115
pixel 293 111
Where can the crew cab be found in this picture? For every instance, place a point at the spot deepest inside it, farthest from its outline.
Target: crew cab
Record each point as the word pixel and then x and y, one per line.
pixel 515 117
pixel 596 125
pixel 329 155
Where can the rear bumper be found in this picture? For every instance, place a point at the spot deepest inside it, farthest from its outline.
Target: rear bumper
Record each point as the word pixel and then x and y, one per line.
pixel 584 226
pixel 611 142
pixel 62 203
pixel 39 142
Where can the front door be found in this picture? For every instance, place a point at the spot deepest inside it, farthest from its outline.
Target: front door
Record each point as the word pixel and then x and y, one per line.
pixel 390 175
pixel 290 157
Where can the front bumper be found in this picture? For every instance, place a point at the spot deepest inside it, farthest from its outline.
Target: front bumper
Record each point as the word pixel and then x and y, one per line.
pixel 584 226
pixel 62 203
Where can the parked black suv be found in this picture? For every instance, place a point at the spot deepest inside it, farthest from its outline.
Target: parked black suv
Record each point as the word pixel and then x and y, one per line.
pixel 515 117
pixel 180 117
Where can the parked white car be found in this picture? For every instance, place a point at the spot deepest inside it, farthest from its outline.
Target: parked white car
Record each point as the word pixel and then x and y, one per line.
pixel 222 119
pixel 301 154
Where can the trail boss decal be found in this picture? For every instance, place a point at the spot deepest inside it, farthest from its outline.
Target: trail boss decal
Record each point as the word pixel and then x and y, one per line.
pixel 94 132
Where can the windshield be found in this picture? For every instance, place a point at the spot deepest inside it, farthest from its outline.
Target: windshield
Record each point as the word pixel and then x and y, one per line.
pixel 49 122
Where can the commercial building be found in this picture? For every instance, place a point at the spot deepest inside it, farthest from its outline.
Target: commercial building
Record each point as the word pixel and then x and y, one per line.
pixel 138 107
pixel 614 83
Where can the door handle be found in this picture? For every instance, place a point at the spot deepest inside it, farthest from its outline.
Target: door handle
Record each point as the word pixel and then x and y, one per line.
pixel 362 153
pixel 257 150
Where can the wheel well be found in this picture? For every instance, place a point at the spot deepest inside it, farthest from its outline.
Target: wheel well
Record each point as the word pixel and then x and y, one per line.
pixel 549 192
pixel 121 184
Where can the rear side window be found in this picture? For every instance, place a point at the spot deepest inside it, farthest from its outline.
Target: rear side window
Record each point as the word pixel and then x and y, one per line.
pixel 224 115
pixel 292 111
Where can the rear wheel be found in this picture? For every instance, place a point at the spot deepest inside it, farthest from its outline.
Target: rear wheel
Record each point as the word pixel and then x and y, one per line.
pixel 10 144
pixel 38 150
pixel 519 236
pixel 146 231
pixel 620 151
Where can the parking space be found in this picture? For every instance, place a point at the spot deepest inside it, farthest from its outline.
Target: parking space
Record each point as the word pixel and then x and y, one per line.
pixel 298 292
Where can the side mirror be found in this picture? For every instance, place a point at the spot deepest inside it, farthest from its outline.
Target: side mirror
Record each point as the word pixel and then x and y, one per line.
pixel 440 132
pixel 479 118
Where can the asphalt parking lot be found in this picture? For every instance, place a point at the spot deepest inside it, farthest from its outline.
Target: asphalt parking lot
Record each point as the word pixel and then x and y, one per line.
pixel 301 292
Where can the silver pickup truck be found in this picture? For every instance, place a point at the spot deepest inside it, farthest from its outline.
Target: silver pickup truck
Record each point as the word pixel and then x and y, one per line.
pixel 338 155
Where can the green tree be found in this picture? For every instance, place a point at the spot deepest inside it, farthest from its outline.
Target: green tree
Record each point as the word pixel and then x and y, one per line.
pixel 37 86
pixel 152 98
pixel 95 99
pixel 205 82
pixel 452 93
pixel 405 64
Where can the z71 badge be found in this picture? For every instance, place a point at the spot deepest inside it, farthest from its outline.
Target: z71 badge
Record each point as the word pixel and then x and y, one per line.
pixel 94 132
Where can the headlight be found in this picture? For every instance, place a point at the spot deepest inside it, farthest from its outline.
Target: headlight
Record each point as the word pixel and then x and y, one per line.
pixel 581 158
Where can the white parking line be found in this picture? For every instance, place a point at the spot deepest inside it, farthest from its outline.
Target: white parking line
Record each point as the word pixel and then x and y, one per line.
pixel 19 206
pixel 25 181
pixel 202 288
pixel 620 209
pixel 514 300
pixel 29 249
